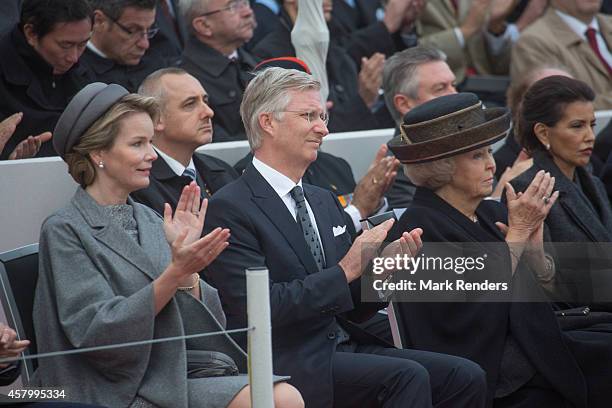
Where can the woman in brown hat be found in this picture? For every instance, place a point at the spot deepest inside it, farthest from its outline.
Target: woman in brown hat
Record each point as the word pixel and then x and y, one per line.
pixel 446 149
pixel 113 272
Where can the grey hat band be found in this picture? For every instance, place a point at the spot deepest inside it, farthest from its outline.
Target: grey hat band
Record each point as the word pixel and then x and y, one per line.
pixel 87 106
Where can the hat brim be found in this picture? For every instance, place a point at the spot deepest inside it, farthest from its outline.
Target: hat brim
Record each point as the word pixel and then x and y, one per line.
pixel 495 128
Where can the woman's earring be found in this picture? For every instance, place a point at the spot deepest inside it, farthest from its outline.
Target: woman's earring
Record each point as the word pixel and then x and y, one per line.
pixel 547 146
pixel 101 164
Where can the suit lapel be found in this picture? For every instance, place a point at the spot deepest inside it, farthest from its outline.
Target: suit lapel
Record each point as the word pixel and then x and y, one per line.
pixel 273 207
pixel 324 223
pixel 113 237
pixel 567 36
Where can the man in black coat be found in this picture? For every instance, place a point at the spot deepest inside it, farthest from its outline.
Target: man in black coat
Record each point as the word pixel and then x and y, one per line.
pixel 214 55
pixel 39 70
pixel 172 36
pixel 119 48
pixel 351 96
pixel 297 231
pixel 184 125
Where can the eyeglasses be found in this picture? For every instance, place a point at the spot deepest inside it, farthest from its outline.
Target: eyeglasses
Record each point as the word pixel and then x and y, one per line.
pixel 233 6
pixel 136 34
pixel 312 116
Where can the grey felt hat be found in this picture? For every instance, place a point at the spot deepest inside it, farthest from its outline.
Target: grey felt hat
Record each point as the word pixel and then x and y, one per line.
pixel 447 126
pixel 84 109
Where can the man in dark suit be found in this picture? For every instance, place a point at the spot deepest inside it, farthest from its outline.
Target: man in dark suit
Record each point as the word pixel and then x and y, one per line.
pixel 215 56
pixel 170 40
pixel 298 232
pixel 184 125
pixel 118 51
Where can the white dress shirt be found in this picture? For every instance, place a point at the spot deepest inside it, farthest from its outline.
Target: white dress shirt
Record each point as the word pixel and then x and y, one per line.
pixel 176 167
pixel 580 28
pixel 283 186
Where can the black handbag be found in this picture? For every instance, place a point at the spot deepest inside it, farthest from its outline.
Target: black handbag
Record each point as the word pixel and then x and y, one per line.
pixel 202 364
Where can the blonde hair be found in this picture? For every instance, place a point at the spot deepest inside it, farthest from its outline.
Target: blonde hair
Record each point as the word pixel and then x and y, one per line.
pixel 102 133
pixel 432 175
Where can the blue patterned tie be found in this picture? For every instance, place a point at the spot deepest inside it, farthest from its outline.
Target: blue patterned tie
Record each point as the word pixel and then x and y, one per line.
pixel 309 232
pixel 190 173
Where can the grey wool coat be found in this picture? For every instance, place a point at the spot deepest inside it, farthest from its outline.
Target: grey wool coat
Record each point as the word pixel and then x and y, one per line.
pixel 95 288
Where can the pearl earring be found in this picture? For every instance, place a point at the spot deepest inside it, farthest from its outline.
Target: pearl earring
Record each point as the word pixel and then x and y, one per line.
pixel 101 164
pixel 547 146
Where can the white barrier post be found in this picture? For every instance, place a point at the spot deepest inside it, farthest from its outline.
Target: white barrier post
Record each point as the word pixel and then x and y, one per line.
pixel 260 339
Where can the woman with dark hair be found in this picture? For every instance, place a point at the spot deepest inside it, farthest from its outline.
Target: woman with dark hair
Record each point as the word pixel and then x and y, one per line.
pixel 529 361
pixel 555 126
pixel 112 272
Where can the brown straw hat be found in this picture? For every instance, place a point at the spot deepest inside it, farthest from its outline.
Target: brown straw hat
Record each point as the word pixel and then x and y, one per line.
pixel 447 126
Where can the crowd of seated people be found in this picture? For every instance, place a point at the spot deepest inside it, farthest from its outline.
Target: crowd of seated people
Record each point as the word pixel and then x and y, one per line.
pixel 126 91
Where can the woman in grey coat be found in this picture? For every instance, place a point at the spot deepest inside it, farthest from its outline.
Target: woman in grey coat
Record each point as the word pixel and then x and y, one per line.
pixel 111 271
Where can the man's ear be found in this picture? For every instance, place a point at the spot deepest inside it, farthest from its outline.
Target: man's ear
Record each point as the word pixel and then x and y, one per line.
pixel 403 104
pixel 30 35
pixel 99 21
pixel 160 125
pixel 266 122
pixel 201 27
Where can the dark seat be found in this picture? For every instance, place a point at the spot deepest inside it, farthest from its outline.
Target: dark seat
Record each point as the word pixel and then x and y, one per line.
pixel 18 276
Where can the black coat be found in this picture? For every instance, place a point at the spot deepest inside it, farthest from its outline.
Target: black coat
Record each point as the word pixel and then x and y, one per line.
pixel 349 112
pixel 582 218
pixel 166 187
pixel 27 85
pixel 129 76
pixel 172 35
pixel 478 330
pixel 358 31
pixel 225 82
pixel 306 304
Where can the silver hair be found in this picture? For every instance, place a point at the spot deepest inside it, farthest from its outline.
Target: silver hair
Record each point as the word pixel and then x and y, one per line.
pixel 399 74
pixel 432 175
pixel 270 92
pixel 190 9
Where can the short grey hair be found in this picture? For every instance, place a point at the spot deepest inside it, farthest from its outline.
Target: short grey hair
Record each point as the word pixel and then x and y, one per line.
pixel 432 175
pixel 399 74
pixel 270 91
pixel 190 9
pixel 152 84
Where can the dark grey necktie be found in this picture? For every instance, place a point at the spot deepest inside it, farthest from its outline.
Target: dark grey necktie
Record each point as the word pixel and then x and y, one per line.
pixel 189 173
pixel 307 229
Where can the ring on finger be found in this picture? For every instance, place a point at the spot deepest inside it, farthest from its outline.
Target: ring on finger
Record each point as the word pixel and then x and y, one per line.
pixel 196 213
pixel 546 199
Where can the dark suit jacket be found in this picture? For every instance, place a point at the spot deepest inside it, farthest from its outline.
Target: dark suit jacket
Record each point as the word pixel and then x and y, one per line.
pixel 358 31
pixel 477 330
pixel 306 304
pixel 349 112
pixel 169 43
pixel 166 187
pixel 27 85
pixel 225 82
pixel 130 77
